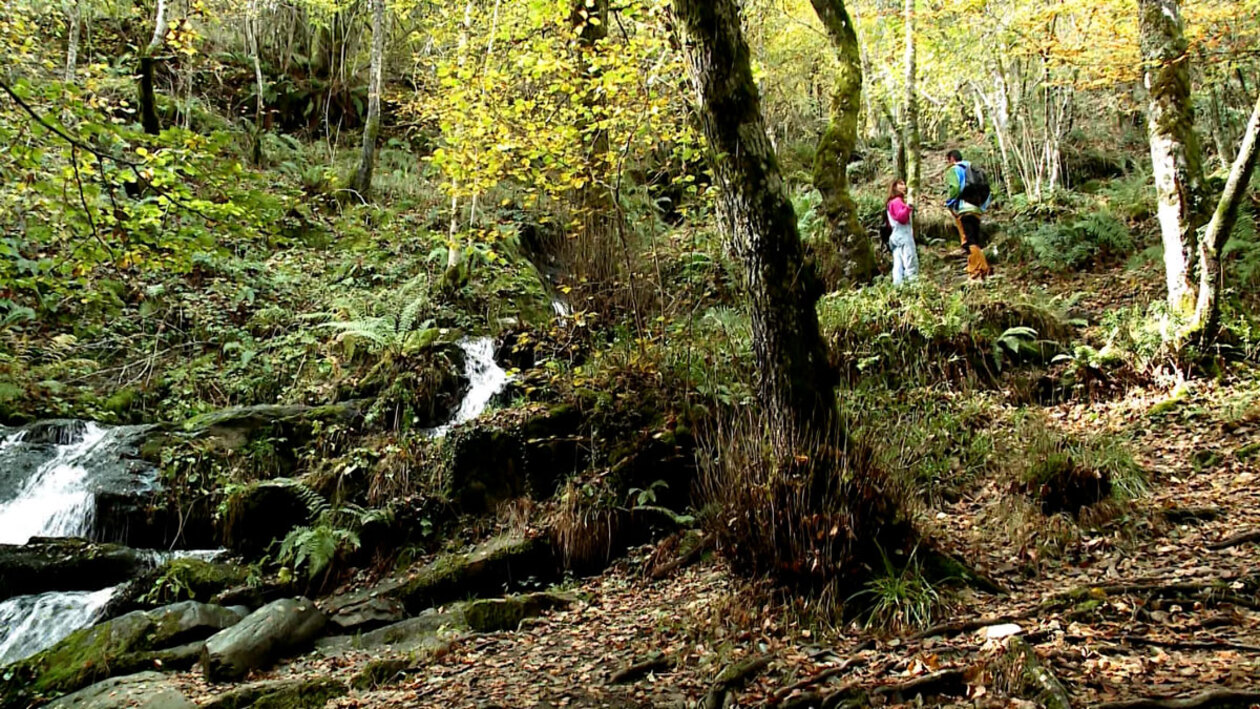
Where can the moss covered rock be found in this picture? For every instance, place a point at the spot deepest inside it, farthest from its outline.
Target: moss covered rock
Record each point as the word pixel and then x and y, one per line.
pixel 65 565
pixel 178 580
pixel 146 690
pixel 494 614
pixel 487 570
pixel 119 646
pixel 266 511
pixel 281 694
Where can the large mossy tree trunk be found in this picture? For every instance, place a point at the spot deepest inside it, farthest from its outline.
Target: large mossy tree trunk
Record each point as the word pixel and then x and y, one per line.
pixel 148 95
pixel 1175 153
pixel 831 177
pixel 795 380
pixel 363 178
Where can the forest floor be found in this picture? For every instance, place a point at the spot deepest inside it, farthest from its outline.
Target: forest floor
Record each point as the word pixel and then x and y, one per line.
pixel 1153 602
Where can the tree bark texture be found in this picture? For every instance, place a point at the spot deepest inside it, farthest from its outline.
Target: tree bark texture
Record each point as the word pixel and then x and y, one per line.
pixel 913 150
pixel 1175 153
pixel 1211 275
pixel 363 178
pixel 795 379
pixel 831 175
pixel 74 18
pixel 148 97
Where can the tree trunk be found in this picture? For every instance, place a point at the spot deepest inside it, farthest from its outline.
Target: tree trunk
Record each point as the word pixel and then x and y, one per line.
pixel 251 35
pixel 911 111
pixel 1211 276
pixel 1224 149
pixel 148 97
pixel 794 376
pixel 74 17
pixel 1175 153
pixel 831 161
pixel 363 178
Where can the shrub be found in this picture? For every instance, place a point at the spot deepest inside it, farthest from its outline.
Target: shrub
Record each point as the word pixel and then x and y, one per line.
pixel 1066 473
pixel 900 598
pixel 813 515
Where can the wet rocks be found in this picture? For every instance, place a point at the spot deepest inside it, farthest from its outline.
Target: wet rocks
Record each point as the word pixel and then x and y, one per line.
pixel 66 565
pixel 146 690
pixel 264 636
pixel 129 643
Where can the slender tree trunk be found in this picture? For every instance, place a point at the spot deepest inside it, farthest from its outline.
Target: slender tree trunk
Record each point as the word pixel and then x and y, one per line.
pixel 148 97
pixel 1224 150
pixel 794 376
pixel 251 35
pixel 911 111
pixel 74 18
pixel 831 161
pixel 1211 275
pixel 363 178
pixel 454 253
pixel 1175 153
pixel 1002 130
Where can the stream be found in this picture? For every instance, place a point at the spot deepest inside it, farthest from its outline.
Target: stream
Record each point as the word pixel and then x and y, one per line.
pixel 51 472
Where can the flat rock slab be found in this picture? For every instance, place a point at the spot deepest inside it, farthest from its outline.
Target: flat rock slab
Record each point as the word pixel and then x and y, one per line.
pixel 264 636
pixel 146 690
pixel 427 631
pixel 66 565
pixel 281 694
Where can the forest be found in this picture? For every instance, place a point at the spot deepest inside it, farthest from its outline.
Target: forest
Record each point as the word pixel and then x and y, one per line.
pixel 686 354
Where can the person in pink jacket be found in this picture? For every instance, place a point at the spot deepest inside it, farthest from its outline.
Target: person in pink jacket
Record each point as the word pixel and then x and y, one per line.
pixel 901 242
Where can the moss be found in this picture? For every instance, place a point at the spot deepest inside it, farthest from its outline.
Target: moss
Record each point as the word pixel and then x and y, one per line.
pixel 281 694
pixel 487 569
pixel 495 614
pixel 378 673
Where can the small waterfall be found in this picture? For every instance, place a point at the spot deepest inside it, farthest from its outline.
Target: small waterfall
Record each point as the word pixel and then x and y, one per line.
pixel 485 377
pixel 33 623
pixel 561 308
pixel 56 500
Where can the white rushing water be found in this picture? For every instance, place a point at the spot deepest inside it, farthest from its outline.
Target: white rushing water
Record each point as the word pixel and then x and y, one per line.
pixel 56 501
pixel 29 624
pixel 485 379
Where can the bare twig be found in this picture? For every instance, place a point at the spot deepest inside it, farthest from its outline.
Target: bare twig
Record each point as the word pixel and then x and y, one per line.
pixel 1202 700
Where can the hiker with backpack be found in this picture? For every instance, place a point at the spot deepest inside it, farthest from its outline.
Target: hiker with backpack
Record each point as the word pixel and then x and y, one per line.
pixel 901 234
pixel 969 196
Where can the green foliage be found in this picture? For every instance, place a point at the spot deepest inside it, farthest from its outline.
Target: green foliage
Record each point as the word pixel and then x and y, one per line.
pixel 1088 241
pixel 314 548
pixel 396 327
pixel 900 598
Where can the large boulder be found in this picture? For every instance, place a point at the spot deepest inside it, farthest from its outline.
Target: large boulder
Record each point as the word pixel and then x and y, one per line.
pixel 487 570
pixel 170 636
pixel 146 690
pixel 264 636
pixel 426 632
pixel 66 565
pixel 281 694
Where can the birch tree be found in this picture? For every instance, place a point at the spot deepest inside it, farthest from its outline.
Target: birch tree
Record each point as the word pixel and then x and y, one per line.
pixel 911 140
pixel 363 178
pixel 1175 153
pixel 74 18
pixel 148 59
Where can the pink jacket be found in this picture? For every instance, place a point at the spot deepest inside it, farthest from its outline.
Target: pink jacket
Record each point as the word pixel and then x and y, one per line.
pixel 899 210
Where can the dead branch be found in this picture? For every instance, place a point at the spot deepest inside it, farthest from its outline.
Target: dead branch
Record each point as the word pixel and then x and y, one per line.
pixel 1236 540
pixel 1189 644
pixel 782 694
pixel 1203 700
pixel 952 681
pixel 964 626
pixel 656 662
